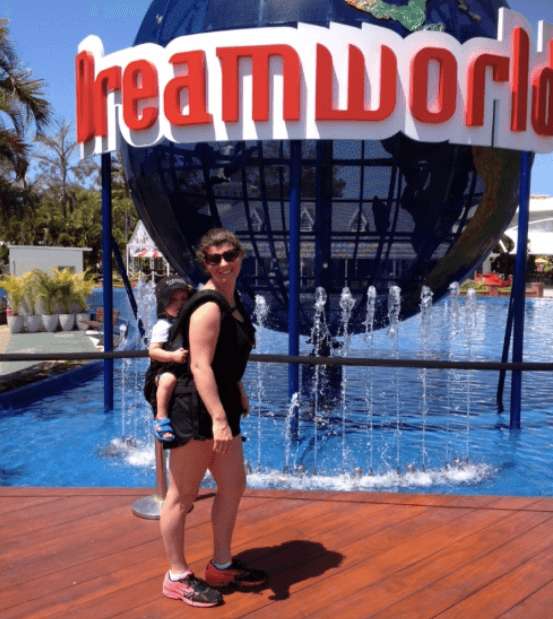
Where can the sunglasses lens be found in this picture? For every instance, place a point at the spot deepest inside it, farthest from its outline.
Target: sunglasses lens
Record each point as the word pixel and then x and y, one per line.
pixel 229 256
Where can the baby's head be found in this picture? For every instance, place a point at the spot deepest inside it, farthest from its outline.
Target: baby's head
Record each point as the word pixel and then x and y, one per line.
pixel 171 295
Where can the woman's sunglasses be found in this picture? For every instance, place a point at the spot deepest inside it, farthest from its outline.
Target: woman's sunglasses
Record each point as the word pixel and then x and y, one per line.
pixel 229 256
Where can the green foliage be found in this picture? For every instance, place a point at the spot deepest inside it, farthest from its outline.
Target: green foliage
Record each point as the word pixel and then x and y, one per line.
pixel 63 282
pixel 14 287
pixel 479 286
pixel 82 287
pixel 30 291
pixel 47 291
pixel 22 106
pixel 60 204
pixel 63 206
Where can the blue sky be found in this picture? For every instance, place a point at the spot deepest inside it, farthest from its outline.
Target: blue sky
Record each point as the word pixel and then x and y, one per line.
pixel 46 35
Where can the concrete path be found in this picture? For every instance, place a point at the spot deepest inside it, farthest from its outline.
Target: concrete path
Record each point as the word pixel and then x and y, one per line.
pixel 61 341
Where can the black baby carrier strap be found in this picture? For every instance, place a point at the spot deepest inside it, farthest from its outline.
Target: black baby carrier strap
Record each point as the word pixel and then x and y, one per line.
pixel 178 335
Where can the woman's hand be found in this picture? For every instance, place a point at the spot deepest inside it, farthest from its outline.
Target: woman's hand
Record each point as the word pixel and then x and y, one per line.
pixel 222 436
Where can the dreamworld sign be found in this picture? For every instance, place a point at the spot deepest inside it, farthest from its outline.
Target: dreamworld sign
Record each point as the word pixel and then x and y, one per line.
pixel 312 82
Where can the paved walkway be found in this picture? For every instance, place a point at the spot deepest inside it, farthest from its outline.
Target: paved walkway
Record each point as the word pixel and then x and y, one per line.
pixel 61 341
pixel 4 338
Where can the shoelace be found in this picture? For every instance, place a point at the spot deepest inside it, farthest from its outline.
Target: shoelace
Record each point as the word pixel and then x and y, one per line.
pixel 192 580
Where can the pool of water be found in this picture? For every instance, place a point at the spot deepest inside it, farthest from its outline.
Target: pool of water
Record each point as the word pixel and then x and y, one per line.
pixel 405 430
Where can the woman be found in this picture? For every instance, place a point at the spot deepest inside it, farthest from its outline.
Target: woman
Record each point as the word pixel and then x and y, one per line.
pixel 220 337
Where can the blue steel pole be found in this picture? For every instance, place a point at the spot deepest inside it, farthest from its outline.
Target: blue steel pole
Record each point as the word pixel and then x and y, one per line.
pixel 519 287
pixel 107 279
pixel 505 355
pixel 294 274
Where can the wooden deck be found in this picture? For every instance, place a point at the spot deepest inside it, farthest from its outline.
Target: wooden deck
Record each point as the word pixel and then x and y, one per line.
pixel 72 553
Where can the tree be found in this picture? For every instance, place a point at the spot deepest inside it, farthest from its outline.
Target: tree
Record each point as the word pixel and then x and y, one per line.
pixel 22 106
pixel 59 174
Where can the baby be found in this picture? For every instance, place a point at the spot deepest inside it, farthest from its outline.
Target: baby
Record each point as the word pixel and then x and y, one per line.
pixel 165 365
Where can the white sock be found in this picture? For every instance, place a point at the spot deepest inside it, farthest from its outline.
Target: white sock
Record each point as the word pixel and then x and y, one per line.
pixel 222 566
pixel 174 576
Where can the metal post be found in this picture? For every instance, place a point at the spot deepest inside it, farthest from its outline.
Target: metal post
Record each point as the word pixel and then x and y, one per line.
pixel 107 279
pixel 323 214
pixel 519 287
pixel 505 355
pixel 294 273
pixel 127 284
pixel 149 507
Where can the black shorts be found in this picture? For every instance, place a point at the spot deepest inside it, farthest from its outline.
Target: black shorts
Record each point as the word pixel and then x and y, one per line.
pixel 189 417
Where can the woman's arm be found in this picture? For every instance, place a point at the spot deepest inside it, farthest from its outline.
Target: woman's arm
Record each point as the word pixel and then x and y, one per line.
pixel 205 324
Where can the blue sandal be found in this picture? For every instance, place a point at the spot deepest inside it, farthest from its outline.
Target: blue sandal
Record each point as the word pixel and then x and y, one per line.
pixel 163 430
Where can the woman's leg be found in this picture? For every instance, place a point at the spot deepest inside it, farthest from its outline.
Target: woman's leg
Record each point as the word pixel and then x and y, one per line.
pixel 229 474
pixel 187 466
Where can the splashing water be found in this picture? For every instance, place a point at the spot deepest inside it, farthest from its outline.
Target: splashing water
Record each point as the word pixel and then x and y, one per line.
pixel 347 303
pixel 369 389
pixel 135 414
pixel 394 309
pixel 452 475
pixel 293 410
pixel 453 376
pixel 369 316
pixel 470 328
pixel 426 322
pixel 145 295
pixel 261 312
pixel 320 336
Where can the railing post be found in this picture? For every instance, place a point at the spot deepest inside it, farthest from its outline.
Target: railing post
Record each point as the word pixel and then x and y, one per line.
pixel 107 283
pixel 149 507
pixel 294 274
pixel 519 287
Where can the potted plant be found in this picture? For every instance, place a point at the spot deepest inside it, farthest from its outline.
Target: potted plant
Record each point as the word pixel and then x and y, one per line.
pixel 47 292
pixel 66 296
pixel 13 285
pixel 82 287
pixel 33 320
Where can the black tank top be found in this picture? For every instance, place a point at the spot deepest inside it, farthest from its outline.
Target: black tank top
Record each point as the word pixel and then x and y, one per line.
pixel 234 344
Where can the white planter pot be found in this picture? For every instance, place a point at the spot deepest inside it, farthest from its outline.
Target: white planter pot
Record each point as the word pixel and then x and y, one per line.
pixel 67 321
pixel 33 323
pixel 50 322
pixel 83 319
pixel 16 323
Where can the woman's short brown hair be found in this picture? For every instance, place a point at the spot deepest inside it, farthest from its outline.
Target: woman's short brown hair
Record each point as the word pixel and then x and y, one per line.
pixel 215 238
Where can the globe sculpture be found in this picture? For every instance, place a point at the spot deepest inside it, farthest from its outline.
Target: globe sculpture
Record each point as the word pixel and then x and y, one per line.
pixel 380 213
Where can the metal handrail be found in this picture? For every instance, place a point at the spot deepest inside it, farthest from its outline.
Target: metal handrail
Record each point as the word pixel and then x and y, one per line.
pixel 149 507
pixel 433 364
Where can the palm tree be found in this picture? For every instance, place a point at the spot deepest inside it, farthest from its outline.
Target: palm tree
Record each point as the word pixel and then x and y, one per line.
pixel 22 106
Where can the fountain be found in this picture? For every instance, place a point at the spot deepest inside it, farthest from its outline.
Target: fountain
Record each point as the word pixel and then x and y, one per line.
pixel 261 313
pixel 369 389
pixel 320 337
pixel 292 413
pixel 394 309
pixel 470 327
pixel 347 303
pixel 426 320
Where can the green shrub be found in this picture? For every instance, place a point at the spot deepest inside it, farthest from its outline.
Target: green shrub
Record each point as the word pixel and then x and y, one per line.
pixel 13 285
